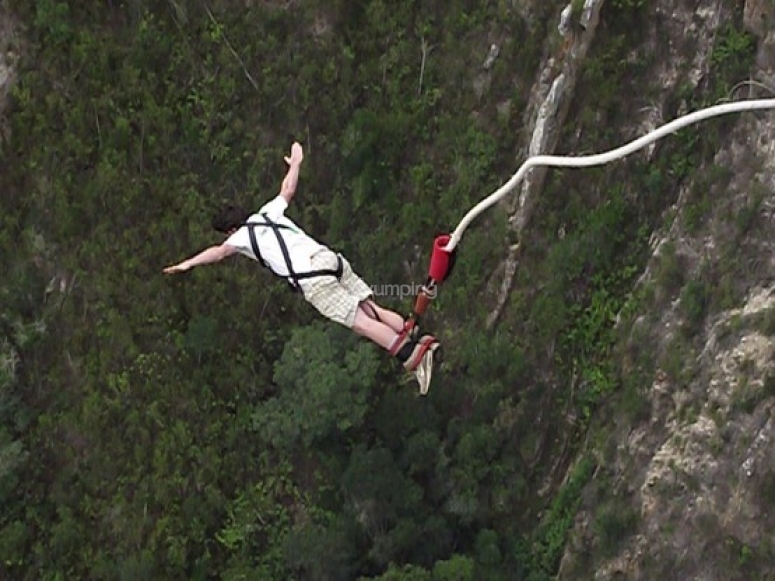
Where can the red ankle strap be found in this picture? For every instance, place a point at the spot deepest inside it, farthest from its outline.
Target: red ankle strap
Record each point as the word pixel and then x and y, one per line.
pixel 399 342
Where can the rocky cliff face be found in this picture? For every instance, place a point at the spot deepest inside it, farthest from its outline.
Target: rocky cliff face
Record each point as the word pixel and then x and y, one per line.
pixel 689 486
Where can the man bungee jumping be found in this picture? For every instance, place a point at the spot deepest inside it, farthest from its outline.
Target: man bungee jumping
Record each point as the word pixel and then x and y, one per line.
pixel 325 278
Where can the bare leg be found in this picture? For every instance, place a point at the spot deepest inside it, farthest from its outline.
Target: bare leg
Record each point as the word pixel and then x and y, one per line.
pixel 388 317
pixel 409 352
pixel 380 333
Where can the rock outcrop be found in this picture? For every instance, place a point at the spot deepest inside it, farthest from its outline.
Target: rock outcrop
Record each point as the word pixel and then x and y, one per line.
pixel 8 59
pixel 550 99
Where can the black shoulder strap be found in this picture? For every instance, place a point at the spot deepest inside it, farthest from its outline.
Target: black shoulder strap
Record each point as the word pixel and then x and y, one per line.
pixel 254 243
pixel 292 277
pixel 284 248
pixel 267 223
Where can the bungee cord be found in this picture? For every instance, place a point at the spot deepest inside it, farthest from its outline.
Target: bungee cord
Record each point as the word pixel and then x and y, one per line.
pixel 444 253
pixel 598 159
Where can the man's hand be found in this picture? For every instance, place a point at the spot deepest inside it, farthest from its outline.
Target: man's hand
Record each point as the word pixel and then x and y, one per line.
pixel 288 187
pixel 297 155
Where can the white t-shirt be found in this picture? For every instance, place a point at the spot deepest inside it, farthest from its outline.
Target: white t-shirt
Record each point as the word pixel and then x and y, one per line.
pixel 300 246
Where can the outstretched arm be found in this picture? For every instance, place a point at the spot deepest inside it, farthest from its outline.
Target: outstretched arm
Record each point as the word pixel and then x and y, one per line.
pixel 208 256
pixel 292 177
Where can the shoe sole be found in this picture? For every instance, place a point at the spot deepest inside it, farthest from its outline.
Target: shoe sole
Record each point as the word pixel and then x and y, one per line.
pixel 424 371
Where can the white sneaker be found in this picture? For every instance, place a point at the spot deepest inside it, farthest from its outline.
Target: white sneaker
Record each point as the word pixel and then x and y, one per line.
pixel 424 370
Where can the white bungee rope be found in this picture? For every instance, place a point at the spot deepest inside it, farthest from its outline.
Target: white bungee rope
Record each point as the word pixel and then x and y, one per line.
pixel 603 158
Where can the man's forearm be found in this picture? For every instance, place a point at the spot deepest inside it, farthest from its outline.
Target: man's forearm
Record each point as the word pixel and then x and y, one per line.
pixel 212 254
pixel 208 256
pixel 290 181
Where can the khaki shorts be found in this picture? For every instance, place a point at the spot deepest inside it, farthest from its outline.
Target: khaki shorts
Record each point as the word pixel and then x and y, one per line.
pixel 335 299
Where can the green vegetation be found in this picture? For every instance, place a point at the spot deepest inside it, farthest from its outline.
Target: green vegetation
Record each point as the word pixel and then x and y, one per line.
pixel 616 519
pixel 539 556
pixel 209 426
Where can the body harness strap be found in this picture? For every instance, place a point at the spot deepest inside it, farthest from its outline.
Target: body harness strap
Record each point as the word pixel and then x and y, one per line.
pixel 292 277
